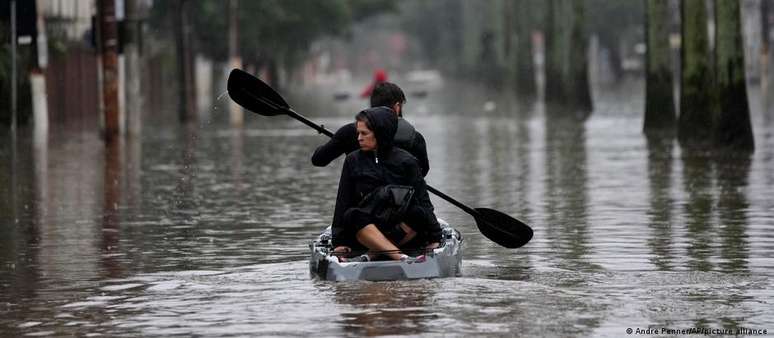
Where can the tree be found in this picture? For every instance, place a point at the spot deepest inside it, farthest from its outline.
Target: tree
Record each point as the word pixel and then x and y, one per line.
pixel 273 34
pixel 626 17
pixel 567 91
pixel 438 27
pixel 483 39
pixel 580 98
pixel 732 119
pixel 25 61
pixel 557 35
pixel 695 121
pixel 659 97
pixel 524 78
pixel 278 34
pixel 184 51
pixel 764 57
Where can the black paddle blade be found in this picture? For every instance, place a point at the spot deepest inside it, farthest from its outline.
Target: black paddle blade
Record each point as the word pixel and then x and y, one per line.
pixel 255 95
pixel 502 229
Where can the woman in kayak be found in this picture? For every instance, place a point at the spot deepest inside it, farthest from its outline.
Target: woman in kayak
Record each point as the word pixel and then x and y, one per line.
pixel 373 181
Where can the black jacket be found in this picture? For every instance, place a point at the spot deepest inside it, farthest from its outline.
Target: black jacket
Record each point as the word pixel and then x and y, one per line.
pixel 365 171
pixel 344 141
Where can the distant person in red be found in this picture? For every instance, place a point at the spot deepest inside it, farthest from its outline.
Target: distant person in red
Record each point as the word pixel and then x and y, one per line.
pixel 379 76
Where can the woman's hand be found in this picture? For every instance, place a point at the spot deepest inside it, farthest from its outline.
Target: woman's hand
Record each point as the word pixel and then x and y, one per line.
pixel 342 249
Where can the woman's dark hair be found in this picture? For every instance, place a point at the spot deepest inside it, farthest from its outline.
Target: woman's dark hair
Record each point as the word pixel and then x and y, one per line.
pixel 362 117
pixel 387 94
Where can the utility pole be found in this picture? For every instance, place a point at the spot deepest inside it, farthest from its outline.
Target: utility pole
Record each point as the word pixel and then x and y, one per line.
pixel 13 112
pixel 38 79
pixel 132 50
pixel 108 48
pixel 13 70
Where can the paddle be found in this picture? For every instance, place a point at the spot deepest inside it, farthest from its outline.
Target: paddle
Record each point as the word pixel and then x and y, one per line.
pixel 258 97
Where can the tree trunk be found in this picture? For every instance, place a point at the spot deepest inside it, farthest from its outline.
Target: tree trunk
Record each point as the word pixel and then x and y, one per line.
pixel 613 45
pixel 732 121
pixel 579 64
pixel 567 91
pixel 525 66
pixel 659 97
pixel 695 121
pixel 184 61
pixel 508 30
pixel 557 32
pixel 764 48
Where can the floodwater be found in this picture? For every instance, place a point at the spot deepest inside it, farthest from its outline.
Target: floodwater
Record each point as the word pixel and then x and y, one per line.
pixel 203 231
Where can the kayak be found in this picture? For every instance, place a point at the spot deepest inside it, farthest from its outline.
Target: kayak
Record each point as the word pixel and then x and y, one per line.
pixel 444 261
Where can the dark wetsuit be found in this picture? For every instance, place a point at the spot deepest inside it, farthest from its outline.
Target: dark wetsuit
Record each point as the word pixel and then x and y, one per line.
pixel 344 141
pixel 365 171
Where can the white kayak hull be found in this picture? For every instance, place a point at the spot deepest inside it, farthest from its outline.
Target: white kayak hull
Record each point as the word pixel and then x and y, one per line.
pixel 444 261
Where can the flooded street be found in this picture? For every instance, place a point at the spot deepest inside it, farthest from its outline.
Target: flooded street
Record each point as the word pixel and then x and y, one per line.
pixel 204 231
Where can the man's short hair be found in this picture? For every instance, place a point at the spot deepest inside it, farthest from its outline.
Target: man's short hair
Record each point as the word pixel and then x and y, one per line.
pixel 387 94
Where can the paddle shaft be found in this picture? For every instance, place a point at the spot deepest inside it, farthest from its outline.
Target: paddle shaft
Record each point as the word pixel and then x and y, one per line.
pixel 327 132
pixel 307 122
pixel 458 204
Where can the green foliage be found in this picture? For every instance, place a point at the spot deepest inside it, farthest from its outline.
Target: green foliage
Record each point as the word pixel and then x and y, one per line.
pixel 611 18
pixel 24 99
pixel 363 9
pixel 285 29
pixel 268 29
pixel 617 24
pixel 437 25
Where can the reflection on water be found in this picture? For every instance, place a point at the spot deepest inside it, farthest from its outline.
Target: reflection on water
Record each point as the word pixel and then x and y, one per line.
pixel 697 173
pixel 716 212
pixel 203 230
pixel 380 308
pixel 566 193
pixel 732 205
pixel 111 229
pixel 660 163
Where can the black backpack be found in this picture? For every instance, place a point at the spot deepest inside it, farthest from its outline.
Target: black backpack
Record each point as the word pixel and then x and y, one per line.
pixel 387 203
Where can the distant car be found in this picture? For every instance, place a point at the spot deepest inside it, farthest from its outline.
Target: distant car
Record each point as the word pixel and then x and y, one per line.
pixel 420 82
pixel 430 78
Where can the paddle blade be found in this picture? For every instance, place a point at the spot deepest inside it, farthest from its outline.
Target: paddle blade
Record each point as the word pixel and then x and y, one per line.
pixel 502 229
pixel 255 95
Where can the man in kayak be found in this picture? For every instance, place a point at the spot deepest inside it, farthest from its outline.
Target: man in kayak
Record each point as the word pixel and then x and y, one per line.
pixel 344 141
pixel 382 202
